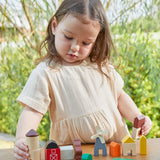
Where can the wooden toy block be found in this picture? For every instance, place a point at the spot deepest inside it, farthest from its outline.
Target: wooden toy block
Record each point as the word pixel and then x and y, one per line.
pixel 86 156
pixel 115 149
pixel 77 149
pixel 128 146
pixel 52 151
pixel 66 152
pixel 137 125
pixel 100 142
pixel 32 140
pixel 143 145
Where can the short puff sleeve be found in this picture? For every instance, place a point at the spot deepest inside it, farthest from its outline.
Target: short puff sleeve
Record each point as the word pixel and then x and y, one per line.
pixel 35 93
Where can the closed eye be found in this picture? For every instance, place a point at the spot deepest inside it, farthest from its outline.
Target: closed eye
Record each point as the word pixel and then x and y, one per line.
pixel 86 44
pixel 67 37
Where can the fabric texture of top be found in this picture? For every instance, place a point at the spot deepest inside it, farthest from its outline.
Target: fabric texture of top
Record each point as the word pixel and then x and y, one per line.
pixel 78 98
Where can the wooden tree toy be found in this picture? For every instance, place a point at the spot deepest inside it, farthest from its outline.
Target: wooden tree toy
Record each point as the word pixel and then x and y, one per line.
pixel 77 149
pixel 32 140
pixel 128 146
pixel 137 125
pixel 100 142
pixel 143 145
pixel 114 149
pixel 52 151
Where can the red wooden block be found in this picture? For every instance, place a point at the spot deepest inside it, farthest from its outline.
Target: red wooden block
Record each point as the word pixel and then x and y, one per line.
pixel 77 149
pixel 53 154
pixel 139 121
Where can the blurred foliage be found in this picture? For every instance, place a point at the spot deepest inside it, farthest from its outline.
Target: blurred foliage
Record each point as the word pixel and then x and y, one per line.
pixel 137 42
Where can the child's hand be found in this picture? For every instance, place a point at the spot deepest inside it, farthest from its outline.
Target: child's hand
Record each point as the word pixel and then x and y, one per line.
pixel 146 126
pixel 21 149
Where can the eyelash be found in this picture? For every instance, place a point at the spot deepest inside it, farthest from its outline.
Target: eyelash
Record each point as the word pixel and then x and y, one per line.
pixel 70 38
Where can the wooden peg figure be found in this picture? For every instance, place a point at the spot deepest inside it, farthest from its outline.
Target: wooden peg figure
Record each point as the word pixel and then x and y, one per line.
pixel 32 140
pixel 100 142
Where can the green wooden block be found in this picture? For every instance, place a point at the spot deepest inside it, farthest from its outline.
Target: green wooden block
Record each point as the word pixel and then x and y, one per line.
pixel 86 156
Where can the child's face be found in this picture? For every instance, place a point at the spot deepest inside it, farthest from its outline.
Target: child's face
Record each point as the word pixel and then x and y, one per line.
pixel 74 39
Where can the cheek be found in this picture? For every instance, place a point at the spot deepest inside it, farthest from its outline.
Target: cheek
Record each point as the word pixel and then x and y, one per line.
pixel 86 50
pixel 61 43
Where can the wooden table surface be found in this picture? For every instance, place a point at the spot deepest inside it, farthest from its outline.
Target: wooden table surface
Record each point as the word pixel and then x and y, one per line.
pixel 153 152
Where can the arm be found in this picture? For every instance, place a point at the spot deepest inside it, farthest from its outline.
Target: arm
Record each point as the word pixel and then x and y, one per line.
pixel 129 110
pixel 29 119
pixel 127 107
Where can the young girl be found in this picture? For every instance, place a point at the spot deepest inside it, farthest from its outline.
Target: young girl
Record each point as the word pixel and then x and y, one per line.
pixel 76 82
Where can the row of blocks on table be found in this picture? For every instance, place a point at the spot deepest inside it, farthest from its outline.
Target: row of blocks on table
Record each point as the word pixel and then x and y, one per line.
pixel 53 152
pixel 65 153
pixel 128 147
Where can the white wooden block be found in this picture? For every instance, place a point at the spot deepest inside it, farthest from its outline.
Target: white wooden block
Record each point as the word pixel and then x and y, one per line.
pixel 129 148
pixel 136 133
pixel 67 152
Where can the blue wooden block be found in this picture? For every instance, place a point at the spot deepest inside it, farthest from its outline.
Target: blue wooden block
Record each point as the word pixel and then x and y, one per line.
pixel 99 145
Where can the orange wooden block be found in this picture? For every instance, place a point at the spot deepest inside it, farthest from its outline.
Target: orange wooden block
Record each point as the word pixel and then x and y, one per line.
pixel 114 149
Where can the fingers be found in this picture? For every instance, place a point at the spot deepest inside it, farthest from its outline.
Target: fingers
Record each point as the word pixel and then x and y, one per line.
pixel 147 126
pixel 21 150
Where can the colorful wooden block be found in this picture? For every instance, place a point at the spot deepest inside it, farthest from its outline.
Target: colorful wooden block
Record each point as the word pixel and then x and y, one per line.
pixel 66 152
pixel 77 149
pixel 53 154
pixel 128 146
pixel 32 140
pixel 143 145
pixel 115 149
pixel 86 156
pixel 137 125
pixel 100 142
pixel 52 151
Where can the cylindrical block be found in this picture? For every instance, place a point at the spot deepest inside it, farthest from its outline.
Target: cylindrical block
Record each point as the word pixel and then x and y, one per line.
pixel 33 145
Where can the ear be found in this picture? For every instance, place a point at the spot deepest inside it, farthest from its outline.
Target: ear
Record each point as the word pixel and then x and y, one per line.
pixel 54 25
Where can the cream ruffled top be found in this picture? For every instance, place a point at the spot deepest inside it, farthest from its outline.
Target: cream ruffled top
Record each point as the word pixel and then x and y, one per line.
pixel 78 98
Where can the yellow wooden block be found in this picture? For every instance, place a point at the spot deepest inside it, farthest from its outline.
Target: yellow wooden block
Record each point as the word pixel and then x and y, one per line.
pixel 143 145
pixel 128 139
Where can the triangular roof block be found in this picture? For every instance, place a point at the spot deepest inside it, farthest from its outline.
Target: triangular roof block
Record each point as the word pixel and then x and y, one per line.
pixel 127 139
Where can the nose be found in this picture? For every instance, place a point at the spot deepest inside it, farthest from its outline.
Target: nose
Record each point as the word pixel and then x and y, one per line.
pixel 75 47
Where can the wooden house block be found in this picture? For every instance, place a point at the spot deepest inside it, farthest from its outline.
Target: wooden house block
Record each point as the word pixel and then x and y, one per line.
pixel 128 146
pixel 143 145
pixel 66 152
pixel 114 149
pixel 52 151
pixel 137 125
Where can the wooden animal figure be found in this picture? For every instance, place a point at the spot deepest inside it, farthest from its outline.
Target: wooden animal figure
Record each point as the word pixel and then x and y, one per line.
pixel 32 140
pixel 66 152
pixel 100 142
pixel 52 151
pixel 86 156
pixel 137 125
pixel 114 149
pixel 143 145
pixel 128 146
pixel 77 149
